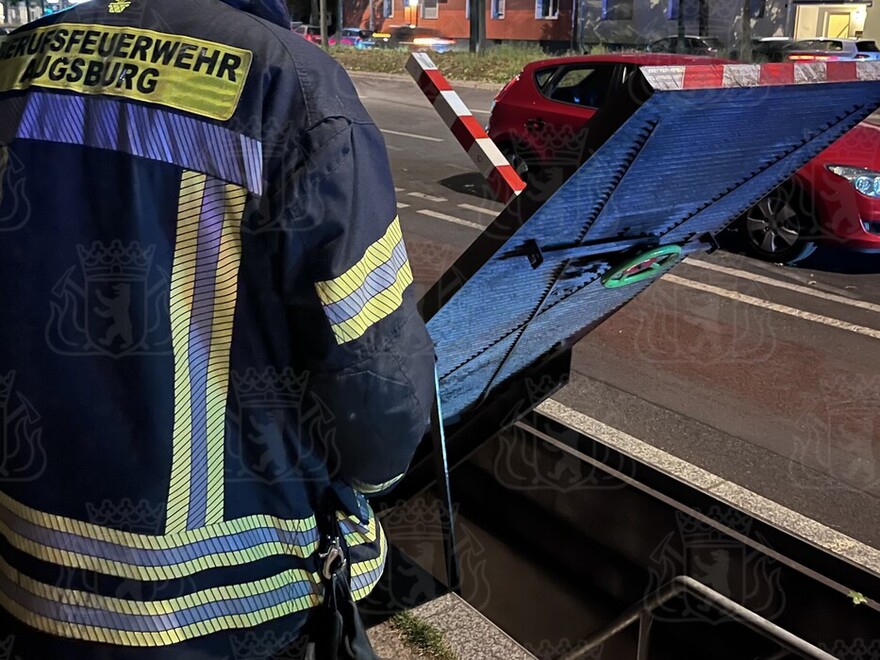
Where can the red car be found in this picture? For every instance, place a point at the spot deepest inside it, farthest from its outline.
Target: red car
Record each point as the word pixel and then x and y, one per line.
pixel 834 198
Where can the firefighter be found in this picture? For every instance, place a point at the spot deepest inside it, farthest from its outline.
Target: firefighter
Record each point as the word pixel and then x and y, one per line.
pixel 209 327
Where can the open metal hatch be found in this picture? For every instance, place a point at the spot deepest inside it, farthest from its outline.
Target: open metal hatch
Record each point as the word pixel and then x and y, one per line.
pixel 674 157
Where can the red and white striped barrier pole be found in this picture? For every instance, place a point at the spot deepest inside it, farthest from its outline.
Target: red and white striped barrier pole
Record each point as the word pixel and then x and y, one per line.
pixel 720 76
pixel 503 179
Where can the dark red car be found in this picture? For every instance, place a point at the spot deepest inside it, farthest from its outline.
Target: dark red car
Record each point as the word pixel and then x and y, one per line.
pixel 834 198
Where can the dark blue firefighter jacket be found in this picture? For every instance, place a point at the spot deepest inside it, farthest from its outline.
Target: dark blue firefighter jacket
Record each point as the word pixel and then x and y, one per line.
pixel 208 324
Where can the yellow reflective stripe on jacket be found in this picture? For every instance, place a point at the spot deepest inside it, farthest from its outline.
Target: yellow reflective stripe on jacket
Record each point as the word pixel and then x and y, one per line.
pixel 366 574
pixel 371 290
pixel 378 253
pixel 85 546
pixel 192 192
pixel 358 533
pixel 84 616
pixel 204 288
pixel 91 617
pixel 79 545
pixel 379 307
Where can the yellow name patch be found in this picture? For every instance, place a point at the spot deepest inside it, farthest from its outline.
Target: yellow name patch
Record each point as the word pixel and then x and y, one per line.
pixel 184 73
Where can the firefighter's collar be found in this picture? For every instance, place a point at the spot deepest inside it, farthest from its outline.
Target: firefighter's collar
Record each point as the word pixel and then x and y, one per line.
pixel 271 10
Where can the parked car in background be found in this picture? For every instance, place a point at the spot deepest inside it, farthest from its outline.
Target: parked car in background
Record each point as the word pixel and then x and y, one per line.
pixel 309 32
pixel 822 49
pixel 835 198
pixel 414 38
pixel 693 45
pixel 766 49
pixel 353 37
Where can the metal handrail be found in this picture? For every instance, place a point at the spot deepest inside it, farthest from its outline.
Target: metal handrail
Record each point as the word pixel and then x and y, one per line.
pixel 643 613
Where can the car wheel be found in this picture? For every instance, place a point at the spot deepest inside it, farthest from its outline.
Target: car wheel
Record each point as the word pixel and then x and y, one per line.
pixel 779 228
pixel 521 161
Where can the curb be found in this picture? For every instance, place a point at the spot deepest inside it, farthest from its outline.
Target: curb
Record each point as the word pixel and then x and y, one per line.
pixel 401 77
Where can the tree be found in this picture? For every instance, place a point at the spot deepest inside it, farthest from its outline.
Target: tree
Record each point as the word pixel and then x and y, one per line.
pixel 681 31
pixel 300 10
pixel 745 48
pixel 478 25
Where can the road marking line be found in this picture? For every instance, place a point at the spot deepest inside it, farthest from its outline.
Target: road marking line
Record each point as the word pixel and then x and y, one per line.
pixel 396 189
pixel 428 198
pixel 482 112
pixel 427 138
pixel 746 275
pixel 774 307
pixel 479 209
pixel 401 205
pixel 738 496
pixel 450 218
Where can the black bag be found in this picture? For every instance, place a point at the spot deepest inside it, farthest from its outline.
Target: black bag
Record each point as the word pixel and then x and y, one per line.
pixel 339 633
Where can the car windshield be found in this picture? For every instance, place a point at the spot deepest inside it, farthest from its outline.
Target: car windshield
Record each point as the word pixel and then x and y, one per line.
pixel 711 42
pixel 867 47
pixel 818 45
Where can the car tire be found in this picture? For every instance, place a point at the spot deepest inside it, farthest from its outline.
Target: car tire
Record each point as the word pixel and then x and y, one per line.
pixel 521 159
pixel 781 228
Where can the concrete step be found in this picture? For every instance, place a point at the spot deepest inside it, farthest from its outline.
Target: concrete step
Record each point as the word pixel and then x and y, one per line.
pixel 467 633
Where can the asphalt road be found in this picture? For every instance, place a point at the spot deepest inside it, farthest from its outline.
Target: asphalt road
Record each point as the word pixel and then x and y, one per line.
pixel 764 375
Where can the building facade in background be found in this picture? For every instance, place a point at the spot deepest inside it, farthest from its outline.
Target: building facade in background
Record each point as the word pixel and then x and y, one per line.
pixel 19 12
pixel 564 24
pixel 626 23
